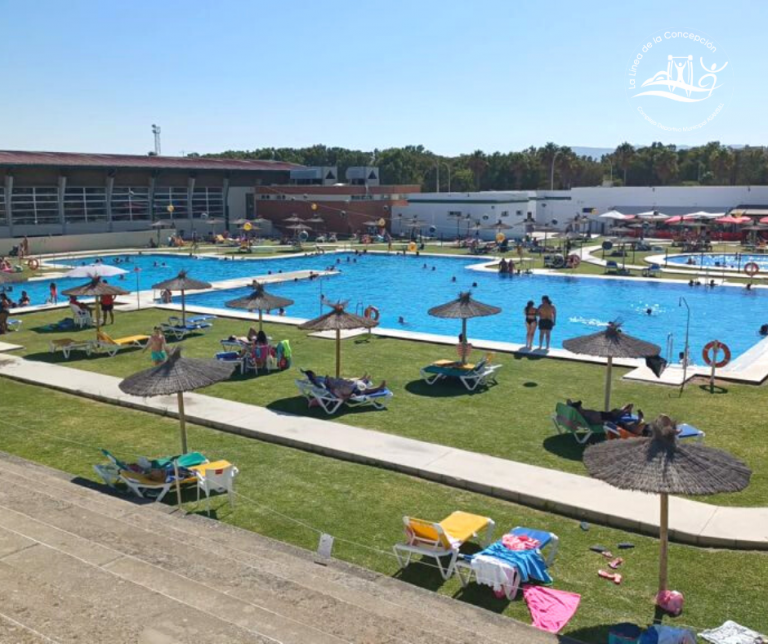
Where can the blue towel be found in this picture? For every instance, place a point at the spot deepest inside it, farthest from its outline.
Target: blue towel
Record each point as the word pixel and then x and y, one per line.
pixel 529 563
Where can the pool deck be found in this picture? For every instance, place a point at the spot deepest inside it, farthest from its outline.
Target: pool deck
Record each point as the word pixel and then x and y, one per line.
pixel 581 497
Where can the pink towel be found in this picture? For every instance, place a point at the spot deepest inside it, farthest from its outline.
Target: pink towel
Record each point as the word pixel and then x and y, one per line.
pixel 550 609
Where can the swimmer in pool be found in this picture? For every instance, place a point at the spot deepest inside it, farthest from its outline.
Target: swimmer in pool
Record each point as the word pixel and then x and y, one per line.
pixel 649 311
pixel 401 320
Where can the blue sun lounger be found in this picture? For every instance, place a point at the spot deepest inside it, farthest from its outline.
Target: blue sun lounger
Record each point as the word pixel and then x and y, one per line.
pixel 181 331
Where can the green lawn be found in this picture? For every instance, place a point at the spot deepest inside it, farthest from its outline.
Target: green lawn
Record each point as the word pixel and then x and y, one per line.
pixel 510 420
pixel 364 505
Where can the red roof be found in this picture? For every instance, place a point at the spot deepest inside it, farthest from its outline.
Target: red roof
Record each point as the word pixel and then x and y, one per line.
pixel 84 160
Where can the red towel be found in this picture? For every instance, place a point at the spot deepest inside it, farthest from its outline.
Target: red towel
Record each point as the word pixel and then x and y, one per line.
pixel 550 609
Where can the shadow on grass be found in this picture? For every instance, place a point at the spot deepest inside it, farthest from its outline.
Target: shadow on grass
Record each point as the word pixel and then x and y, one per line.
pixel 483 597
pixel 74 357
pixel 530 384
pixel 717 390
pixel 532 355
pixel 564 446
pixel 446 388
pixel 424 576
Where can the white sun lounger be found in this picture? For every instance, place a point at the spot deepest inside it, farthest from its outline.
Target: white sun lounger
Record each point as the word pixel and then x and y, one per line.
pixel 331 403
pixel 481 374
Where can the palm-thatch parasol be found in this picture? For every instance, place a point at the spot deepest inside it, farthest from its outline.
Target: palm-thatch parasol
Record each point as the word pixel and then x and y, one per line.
pixel 182 283
pixel 498 226
pixel 317 219
pixel 299 227
pixel 663 465
pixel 338 320
pixel 241 222
pixel 259 300
pixel 611 343
pixel 293 219
pixel 175 376
pixel 95 288
pixel 464 307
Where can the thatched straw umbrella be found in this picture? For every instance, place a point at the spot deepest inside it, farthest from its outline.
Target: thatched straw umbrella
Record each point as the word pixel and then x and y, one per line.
pixel 175 376
pixel 463 308
pixel 663 465
pixel 611 343
pixel 338 320
pixel 259 300
pixel 182 283
pixel 95 288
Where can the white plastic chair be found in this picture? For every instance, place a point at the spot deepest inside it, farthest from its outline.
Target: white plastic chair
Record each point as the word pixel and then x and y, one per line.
pixel 82 317
pixel 217 480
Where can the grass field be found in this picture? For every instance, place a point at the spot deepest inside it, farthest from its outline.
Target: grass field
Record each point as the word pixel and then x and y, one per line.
pixel 362 506
pixel 510 420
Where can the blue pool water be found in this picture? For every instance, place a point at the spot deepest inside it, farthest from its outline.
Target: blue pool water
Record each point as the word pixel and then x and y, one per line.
pixel 400 286
pixel 728 260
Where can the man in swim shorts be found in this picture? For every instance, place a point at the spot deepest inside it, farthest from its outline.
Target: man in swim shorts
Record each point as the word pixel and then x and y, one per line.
pixel 157 346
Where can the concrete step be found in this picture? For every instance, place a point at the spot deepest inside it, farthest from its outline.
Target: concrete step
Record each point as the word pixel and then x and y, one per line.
pixel 199 561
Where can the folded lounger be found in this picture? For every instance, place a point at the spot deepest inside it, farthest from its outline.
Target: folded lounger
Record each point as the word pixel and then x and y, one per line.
pixel 181 331
pixel 316 393
pixel 443 539
pixel 111 346
pixel 470 375
pixel 175 320
pixel 14 324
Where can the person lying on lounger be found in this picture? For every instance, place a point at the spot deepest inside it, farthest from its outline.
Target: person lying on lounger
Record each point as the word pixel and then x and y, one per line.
pixel 622 417
pixel 344 388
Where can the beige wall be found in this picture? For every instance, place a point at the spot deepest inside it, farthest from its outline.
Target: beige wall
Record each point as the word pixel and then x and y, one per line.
pixel 71 243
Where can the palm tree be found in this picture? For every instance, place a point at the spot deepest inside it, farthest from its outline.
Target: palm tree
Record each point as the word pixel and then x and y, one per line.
pixel 665 164
pixel 623 157
pixel 478 164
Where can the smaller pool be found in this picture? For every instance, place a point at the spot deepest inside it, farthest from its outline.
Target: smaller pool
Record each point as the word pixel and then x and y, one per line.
pixel 735 261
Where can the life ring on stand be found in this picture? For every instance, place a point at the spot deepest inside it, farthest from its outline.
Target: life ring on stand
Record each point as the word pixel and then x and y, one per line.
pixel 713 347
pixel 34 264
pixel 751 269
pixel 412 247
pixel 574 261
pixel 558 261
pixel 372 313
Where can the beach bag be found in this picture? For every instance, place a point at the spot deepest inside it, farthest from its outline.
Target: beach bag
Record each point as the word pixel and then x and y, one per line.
pixel 670 601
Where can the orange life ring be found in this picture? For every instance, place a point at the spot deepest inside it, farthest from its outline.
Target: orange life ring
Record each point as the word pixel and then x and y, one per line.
pixel 366 239
pixel 721 346
pixel 751 269
pixel 412 247
pixel 33 264
pixel 574 261
pixel 372 313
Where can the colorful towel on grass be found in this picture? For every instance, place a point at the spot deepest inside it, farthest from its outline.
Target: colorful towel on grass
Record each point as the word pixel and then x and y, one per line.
pixel 550 609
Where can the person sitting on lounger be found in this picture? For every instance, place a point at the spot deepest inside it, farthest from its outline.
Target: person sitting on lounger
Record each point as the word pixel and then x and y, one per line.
pixel 344 388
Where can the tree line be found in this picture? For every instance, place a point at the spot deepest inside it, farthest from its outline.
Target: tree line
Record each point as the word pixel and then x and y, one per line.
pixel 712 164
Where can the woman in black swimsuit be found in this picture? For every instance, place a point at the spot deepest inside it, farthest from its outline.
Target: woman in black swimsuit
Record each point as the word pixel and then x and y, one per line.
pixel 530 313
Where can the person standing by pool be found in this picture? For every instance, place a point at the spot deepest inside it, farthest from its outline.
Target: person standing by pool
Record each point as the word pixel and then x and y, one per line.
pixel 531 312
pixel 547 320
pixel 157 346
pixel 107 303
pixel 54 293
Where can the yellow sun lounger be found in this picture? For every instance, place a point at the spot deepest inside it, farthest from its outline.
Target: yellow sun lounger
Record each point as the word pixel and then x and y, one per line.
pixel 443 539
pixel 112 346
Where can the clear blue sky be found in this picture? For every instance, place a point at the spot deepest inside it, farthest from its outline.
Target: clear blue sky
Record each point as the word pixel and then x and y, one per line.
pixel 93 75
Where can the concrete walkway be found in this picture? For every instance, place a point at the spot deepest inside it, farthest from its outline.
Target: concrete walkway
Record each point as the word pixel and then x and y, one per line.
pixel 578 496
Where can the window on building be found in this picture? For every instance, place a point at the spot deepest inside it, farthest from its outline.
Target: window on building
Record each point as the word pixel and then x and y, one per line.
pixel 34 206
pixel 209 201
pixel 176 197
pixel 505 213
pixel 130 203
pixel 454 213
pixel 84 204
pixel 3 209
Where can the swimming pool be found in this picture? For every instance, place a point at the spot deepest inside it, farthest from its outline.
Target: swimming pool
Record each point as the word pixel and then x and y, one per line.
pixel 407 287
pixel 728 260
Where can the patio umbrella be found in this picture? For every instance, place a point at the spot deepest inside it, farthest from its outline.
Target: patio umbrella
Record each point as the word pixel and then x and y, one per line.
pixel 241 222
pixel 652 215
pixel 259 300
pixel 95 270
pixel 703 214
pixel 463 308
pixel 175 376
pixel 613 214
pixel 338 320
pixel 161 223
pixel 663 465
pixel 728 219
pixel 96 288
pixel 317 219
pixel 620 230
pixel 181 283
pixel 293 219
pixel 499 225
pixel 611 343
pixel 299 227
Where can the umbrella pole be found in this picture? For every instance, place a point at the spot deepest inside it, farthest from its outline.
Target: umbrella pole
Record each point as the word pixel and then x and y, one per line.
pixel 338 353
pixel 182 422
pixel 463 340
pixel 663 542
pixel 183 310
pixel 260 320
pixel 608 372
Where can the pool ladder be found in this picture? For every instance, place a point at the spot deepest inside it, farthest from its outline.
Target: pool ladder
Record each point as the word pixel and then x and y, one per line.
pixel 670 347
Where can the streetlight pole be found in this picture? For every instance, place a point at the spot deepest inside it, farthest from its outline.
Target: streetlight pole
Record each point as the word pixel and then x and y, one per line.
pixel 552 172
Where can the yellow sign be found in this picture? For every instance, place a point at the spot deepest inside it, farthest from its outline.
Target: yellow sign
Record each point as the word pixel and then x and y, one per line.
pixel 170 208
pixel 500 237
pixel 314 206
pixel 382 223
pixel 247 226
pixel 412 247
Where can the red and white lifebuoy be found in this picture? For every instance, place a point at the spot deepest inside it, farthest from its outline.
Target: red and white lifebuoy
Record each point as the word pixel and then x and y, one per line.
pixel 574 261
pixel 372 313
pixel 714 347
pixel 751 269
pixel 33 264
